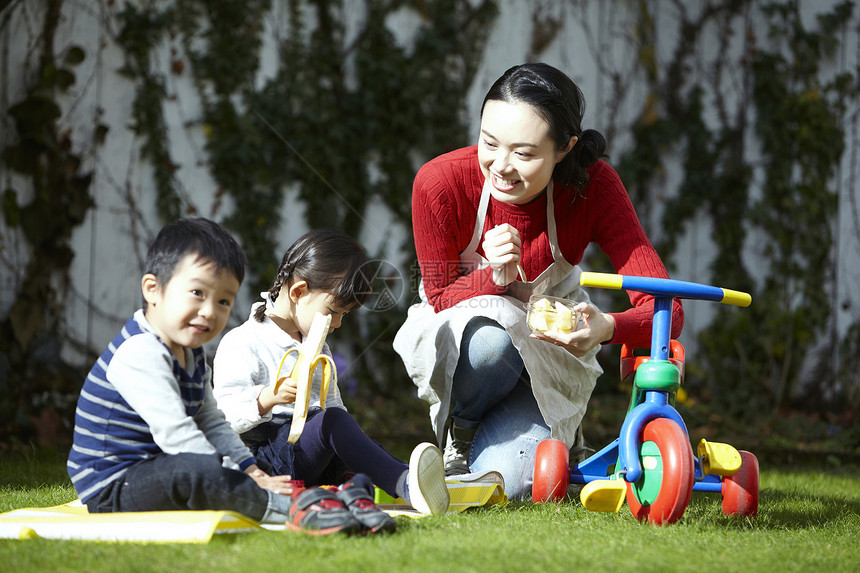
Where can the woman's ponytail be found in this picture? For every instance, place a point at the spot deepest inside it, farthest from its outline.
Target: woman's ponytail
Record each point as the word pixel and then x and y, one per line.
pixel 590 146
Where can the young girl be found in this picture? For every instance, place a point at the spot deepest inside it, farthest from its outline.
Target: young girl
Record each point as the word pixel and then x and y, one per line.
pixel 321 272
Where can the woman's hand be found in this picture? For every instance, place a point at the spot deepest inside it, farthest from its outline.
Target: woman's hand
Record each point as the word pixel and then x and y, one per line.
pixel 598 328
pixel 286 394
pixel 276 484
pixel 502 249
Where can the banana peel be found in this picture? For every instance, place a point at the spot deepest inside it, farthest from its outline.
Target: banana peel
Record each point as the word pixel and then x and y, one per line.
pixel 308 356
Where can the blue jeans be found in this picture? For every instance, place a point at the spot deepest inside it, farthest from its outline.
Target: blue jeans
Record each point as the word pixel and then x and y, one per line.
pixel 491 392
pixel 186 481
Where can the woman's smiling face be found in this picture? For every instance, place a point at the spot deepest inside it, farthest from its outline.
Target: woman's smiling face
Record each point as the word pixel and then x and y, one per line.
pixel 515 151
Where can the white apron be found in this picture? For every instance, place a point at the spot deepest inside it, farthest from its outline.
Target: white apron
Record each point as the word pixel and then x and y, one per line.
pixel 429 342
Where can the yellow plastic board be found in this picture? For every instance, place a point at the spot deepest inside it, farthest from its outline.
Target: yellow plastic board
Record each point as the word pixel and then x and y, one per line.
pixel 718 459
pixel 603 495
pixel 472 490
pixel 73 521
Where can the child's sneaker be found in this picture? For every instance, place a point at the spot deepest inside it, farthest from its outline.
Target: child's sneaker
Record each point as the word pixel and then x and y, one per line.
pixel 357 495
pixel 318 511
pixel 425 481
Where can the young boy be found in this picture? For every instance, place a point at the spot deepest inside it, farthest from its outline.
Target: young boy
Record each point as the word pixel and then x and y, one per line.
pixel 148 434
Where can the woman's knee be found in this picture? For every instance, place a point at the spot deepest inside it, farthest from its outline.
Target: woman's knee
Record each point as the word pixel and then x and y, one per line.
pixel 487 345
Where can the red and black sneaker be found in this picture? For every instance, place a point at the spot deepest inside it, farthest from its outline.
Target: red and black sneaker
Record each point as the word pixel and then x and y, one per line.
pixel 318 511
pixel 357 495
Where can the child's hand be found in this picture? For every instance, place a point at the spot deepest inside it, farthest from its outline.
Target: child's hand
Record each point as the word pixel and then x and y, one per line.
pixel 286 393
pixel 268 398
pixel 276 484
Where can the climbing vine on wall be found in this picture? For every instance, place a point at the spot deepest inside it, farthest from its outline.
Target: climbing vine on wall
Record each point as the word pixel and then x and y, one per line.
pixel 32 333
pixel 334 121
pixel 336 125
pixel 344 116
pixel 753 358
pixel 142 30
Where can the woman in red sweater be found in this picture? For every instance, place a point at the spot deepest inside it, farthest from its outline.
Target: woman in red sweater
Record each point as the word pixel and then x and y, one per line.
pixel 530 196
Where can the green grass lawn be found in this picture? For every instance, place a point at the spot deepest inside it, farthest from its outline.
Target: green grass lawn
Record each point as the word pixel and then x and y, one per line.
pixel 808 520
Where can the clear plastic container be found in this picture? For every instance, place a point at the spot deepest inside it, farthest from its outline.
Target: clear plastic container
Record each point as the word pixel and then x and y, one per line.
pixel 552 314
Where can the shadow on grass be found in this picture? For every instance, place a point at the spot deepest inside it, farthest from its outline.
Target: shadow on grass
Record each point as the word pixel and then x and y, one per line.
pixel 781 510
pixel 794 510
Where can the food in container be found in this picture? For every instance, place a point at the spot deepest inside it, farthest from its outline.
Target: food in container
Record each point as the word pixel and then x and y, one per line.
pixel 552 314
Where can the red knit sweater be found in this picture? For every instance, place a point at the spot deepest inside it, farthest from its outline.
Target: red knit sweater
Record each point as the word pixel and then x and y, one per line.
pixel 445 199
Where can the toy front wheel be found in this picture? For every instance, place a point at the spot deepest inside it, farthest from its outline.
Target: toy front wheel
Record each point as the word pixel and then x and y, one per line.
pixel 663 492
pixel 740 490
pixel 552 471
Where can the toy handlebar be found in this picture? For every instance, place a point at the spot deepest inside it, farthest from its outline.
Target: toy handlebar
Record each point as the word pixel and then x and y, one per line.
pixel 665 287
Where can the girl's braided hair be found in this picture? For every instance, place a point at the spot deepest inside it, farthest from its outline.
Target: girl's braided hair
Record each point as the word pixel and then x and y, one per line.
pixel 327 260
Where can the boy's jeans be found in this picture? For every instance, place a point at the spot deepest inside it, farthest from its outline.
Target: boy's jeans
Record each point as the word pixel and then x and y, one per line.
pixel 188 481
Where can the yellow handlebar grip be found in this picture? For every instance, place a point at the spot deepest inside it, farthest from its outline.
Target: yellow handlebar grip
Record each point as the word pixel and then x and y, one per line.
pixel 601 280
pixel 736 297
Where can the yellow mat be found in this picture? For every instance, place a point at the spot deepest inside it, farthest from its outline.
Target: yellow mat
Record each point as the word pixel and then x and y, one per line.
pixel 467 490
pixel 73 521
pixel 465 495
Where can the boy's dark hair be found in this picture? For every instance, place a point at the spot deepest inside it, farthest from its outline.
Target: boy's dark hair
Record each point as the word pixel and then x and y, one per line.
pixel 196 235
pixel 327 260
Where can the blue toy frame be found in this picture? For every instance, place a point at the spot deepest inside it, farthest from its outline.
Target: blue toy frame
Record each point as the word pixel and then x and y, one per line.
pixel 656 381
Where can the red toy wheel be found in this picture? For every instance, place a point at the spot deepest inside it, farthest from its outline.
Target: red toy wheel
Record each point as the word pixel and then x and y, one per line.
pixel 552 471
pixel 740 490
pixel 663 492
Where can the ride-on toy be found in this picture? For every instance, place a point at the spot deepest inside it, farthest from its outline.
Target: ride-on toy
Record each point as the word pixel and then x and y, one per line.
pixel 651 463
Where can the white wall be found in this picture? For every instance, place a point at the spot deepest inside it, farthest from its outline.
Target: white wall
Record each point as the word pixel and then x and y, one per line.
pixel 594 44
